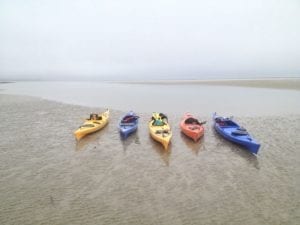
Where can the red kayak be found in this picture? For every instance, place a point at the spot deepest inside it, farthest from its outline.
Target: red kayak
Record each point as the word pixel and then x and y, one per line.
pixel 191 127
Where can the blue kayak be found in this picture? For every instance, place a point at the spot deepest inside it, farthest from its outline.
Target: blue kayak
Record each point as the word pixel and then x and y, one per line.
pixel 231 131
pixel 128 124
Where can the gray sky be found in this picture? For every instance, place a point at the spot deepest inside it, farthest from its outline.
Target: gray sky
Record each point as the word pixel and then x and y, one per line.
pixel 73 39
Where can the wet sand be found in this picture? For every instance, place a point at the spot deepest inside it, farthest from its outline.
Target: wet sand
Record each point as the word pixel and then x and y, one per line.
pixel 279 83
pixel 46 177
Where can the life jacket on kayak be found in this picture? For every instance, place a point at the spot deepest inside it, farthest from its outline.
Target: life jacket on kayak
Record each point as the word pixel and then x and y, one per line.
pixel 158 122
pixel 159 119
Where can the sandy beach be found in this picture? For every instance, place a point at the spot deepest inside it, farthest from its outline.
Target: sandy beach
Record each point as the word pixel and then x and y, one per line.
pixel 63 61
pixel 46 177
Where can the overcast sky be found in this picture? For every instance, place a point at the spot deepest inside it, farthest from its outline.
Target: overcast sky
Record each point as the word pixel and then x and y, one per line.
pixel 118 39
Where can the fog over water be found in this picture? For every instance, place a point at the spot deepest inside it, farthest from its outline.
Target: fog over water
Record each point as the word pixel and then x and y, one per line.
pixel 148 39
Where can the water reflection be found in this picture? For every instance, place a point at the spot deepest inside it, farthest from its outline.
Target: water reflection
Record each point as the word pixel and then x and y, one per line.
pixel 238 149
pixel 126 142
pixel 245 154
pixel 90 140
pixel 195 147
pixel 164 153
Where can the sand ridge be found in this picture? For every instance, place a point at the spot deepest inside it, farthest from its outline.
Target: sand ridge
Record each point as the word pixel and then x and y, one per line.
pixel 278 83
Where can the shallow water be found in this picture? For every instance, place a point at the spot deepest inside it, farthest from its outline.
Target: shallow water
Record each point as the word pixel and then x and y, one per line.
pixel 202 100
pixel 48 178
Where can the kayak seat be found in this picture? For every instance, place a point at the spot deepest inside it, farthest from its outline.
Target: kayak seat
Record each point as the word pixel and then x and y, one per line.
pixel 129 119
pixel 162 132
pixel 222 124
pixel 194 128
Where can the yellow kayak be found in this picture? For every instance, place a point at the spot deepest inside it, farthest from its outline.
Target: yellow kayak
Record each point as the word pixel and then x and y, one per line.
pixel 93 124
pixel 159 129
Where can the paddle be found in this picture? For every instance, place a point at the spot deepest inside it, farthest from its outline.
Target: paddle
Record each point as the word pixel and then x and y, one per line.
pixel 201 123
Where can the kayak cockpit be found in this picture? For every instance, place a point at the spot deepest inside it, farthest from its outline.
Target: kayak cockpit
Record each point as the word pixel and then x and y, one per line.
pixel 95 116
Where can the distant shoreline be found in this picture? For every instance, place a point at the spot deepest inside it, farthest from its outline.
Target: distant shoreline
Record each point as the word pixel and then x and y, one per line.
pixel 277 83
pixel 291 83
pixel 6 82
